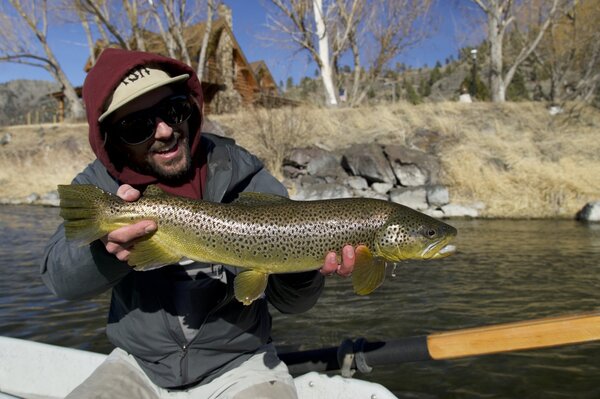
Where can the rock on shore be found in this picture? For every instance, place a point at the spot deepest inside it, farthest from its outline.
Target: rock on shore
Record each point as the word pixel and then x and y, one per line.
pixel 590 212
pixel 408 176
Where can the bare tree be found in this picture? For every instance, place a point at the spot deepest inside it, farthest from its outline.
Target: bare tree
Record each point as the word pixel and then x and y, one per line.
pixel 176 22
pixel 323 46
pixel 25 41
pixel 570 54
pixel 373 31
pixel 166 34
pixel 501 17
pixel 210 10
pixel 390 27
pixel 303 22
pixel 136 23
pixel 350 14
pixel 143 21
pixel 101 13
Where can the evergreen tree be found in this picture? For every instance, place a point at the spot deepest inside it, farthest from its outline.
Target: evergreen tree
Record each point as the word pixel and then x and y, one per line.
pixel 411 94
pixel 517 91
pixel 482 92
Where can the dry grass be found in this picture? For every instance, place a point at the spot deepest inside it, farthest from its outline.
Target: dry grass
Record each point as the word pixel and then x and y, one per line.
pixel 515 157
pixel 40 157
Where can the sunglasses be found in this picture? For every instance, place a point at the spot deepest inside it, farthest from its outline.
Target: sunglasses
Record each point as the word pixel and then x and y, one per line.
pixel 139 127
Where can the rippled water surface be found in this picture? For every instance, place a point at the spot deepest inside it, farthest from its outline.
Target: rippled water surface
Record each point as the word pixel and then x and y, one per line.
pixel 504 271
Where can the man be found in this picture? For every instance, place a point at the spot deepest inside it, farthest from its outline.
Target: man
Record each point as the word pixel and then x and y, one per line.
pixel 178 331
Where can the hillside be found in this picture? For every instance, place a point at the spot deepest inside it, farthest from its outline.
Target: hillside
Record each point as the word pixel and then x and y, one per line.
pixel 517 159
pixel 18 98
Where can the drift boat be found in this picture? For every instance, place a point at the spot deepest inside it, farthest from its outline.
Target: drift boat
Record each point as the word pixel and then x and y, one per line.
pixel 35 370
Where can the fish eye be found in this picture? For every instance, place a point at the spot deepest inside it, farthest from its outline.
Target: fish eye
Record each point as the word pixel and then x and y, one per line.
pixel 430 233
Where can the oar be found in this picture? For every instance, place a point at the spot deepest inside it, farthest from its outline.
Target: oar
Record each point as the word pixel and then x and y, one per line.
pixel 532 334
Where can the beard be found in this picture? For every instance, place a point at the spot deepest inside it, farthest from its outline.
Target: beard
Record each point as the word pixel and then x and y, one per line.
pixel 172 171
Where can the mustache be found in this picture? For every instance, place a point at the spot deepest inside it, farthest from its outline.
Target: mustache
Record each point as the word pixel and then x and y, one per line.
pixel 163 145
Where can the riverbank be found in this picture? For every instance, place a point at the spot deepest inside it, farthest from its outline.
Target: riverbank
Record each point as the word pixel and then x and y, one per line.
pixel 515 160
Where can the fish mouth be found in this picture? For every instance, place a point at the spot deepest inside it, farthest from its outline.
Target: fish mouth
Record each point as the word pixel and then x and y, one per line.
pixel 438 250
pixel 446 250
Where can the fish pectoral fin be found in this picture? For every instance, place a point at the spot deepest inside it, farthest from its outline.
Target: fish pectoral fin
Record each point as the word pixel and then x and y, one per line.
pixel 249 285
pixel 149 253
pixel 368 273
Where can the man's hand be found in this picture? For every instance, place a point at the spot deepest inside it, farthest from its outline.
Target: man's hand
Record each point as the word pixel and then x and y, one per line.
pixel 344 268
pixel 120 241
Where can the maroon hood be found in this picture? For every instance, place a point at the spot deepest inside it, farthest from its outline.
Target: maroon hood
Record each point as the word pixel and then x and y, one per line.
pixel 112 65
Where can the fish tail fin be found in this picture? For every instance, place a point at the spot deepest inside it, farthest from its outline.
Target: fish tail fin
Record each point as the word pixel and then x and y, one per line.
pixel 80 207
pixel 249 285
pixel 368 273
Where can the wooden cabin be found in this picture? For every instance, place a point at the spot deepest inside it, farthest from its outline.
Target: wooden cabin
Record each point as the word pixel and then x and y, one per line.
pixel 229 81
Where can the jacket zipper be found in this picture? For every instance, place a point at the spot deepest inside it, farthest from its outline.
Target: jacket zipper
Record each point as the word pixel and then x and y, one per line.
pixel 183 363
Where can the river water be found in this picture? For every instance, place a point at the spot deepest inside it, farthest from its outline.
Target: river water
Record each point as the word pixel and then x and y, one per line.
pixel 504 271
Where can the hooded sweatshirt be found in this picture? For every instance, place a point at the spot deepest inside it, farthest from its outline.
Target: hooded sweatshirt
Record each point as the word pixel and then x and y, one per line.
pixel 112 66
pixel 145 318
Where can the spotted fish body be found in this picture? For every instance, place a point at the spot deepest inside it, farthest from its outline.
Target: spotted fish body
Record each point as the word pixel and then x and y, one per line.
pixel 262 233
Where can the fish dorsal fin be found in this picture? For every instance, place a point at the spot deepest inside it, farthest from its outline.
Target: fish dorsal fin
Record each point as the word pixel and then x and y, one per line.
pixel 368 273
pixel 256 199
pixel 154 191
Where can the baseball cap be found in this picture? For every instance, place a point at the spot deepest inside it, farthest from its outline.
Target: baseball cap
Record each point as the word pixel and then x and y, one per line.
pixel 138 81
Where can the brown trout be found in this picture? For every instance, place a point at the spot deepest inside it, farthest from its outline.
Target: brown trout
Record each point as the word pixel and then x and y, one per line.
pixel 262 233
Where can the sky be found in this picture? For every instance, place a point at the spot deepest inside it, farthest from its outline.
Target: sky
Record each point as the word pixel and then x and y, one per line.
pixel 249 24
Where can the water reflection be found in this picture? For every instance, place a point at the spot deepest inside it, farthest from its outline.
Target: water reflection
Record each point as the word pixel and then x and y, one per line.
pixel 503 271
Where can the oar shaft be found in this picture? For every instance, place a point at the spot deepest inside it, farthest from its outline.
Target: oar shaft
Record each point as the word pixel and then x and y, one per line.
pixel 507 337
pixel 364 354
pixel 515 336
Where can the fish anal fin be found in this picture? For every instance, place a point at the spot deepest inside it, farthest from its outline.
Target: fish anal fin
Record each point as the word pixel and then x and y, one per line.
pixel 368 273
pixel 149 253
pixel 254 199
pixel 249 285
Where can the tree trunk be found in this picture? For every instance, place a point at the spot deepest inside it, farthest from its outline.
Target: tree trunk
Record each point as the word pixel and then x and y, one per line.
pixel 495 37
pixel 326 70
pixel 74 109
pixel 207 31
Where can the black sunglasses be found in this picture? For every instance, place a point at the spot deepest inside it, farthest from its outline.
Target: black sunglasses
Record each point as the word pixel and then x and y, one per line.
pixel 139 127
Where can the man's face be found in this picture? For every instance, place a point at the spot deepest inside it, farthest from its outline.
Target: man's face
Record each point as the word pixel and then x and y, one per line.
pixel 166 154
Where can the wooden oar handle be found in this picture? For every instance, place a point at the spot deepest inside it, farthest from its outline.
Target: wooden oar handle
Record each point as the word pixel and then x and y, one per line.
pixel 515 336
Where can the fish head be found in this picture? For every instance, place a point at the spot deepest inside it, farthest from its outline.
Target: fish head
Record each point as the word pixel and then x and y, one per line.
pixel 409 234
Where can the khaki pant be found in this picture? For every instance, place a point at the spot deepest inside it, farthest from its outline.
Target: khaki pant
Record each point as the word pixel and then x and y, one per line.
pixel 119 376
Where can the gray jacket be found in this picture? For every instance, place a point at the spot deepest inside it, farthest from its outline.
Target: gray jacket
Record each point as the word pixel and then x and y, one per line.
pixel 143 319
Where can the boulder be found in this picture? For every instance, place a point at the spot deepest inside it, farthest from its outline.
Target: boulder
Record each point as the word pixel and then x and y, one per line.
pixel 356 182
pixel 315 161
pixel 50 199
pixel 456 210
pixel 31 198
pixel 590 212
pixel 413 197
pixel 410 175
pixel 413 167
pixel 311 192
pixel 368 193
pixel 382 188
pixel 369 162
pixel 6 139
pixel 437 195
pixel 292 171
